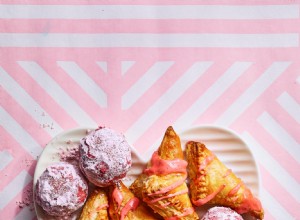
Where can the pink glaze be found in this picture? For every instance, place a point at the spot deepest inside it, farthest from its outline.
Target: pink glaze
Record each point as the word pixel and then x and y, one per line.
pixel 221 213
pixel 117 196
pixel 207 160
pixel 131 205
pixel 61 189
pixel 105 156
pixel 200 202
pixel 235 189
pixel 185 213
pixel 162 167
pixel 167 196
pixel 249 203
pixel 169 188
pixel 100 207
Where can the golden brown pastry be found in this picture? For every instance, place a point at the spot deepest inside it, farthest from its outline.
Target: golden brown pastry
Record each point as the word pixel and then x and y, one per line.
pixel 123 205
pixel 96 206
pixel 211 182
pixel 162 185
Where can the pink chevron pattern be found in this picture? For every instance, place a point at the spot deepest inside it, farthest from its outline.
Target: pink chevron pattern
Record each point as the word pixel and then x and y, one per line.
pixel 141 66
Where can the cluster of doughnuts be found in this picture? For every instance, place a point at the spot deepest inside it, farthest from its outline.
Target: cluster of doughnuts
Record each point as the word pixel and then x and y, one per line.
pixel 104 159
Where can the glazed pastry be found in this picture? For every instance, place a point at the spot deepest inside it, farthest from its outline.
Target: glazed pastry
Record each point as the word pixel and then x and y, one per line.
pixel 211 182
pixel 162 185
pixel 123 205
pixel 96 206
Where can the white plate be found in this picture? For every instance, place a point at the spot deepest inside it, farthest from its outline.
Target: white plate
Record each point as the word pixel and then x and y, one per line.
pixel 226 144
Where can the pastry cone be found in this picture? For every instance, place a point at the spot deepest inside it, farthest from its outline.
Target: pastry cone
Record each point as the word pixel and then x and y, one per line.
pixel 96 206
pixel 211 182
pixel 162 185
pixel 123 205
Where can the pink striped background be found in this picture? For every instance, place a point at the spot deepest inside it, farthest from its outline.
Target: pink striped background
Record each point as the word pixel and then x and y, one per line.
pixel 234 64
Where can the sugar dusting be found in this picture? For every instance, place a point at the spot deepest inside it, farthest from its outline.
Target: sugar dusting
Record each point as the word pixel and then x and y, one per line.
pixel 61 189
pixel 105 156
pixel 221 213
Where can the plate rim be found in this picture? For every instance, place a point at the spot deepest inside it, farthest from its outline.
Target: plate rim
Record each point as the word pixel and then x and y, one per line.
pixel 180 132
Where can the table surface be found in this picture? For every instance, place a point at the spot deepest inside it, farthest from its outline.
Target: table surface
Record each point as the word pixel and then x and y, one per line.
pixel 140 66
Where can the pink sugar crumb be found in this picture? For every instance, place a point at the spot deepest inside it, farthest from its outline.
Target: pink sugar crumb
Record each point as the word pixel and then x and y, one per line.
pixel 69 154
pixel 221 213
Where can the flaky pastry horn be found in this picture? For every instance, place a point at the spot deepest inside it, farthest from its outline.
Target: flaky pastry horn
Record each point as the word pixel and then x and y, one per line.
pixel 162 185
pixel 123 205
pixel 96 206
pixel 211 182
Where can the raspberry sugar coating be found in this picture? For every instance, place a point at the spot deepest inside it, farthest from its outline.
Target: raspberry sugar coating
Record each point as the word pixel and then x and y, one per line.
pixel 61 189
pixel 104 156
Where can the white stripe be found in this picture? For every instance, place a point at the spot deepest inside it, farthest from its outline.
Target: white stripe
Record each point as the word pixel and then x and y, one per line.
pixel 57 93
pixel 166 100
pixel 19 134
pixel 252 93
pixel 28 103
pixel 125 66
pixel 150 11
pixel 85 82
pixel 14 188
pixel 212 94
pixel 5 158
pixel 273 167
pixel 290 105
pixel 26 213
pixel 102 65
pixel 68 40
pixel 273 206
pixel 144 83
pixel 280 135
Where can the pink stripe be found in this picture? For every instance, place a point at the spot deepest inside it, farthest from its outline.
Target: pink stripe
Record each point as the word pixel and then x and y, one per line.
pixel 155 131
pixel 275 150
pixel 36 92
pixel 21 159
pixel 147 2
pixel 147 26
pixel 12 209
pixel 232 93
pixel 72 88
pixel 24 119
pixel 285 120
pixel 279 193
pixel 169 54
pixel 283 82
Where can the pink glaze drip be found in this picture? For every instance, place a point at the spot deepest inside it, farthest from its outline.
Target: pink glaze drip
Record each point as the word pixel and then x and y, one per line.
pixel 200 202
pixel 235 189
pixel 228 172
pixel 249 203
pixel 206 161
pixel 185 213
pixel 131 205
pixel 100 207
pixel 168 196
pixel 169 188
pixel 117 196
pixel 162 167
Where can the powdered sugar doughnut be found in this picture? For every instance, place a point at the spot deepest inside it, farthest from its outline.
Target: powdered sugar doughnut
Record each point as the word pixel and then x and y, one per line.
pixel 61 189
pixel 104 156
pixel 221 213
